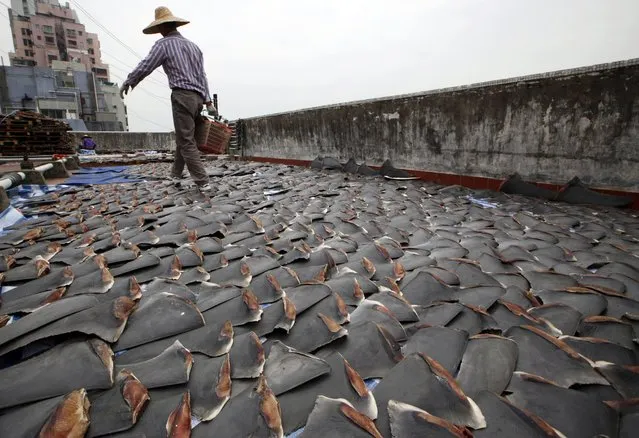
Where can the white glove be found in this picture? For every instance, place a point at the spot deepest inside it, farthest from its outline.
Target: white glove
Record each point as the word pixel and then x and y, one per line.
pixel 211 109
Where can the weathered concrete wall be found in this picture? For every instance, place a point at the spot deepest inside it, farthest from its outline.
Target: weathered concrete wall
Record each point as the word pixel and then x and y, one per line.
pixel 547 127
pixel 129 141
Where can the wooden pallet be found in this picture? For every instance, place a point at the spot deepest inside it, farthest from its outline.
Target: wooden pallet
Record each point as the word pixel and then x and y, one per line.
pixel 34 133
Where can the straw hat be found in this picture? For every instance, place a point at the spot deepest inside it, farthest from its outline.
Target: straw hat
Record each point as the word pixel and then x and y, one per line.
pixel 163 15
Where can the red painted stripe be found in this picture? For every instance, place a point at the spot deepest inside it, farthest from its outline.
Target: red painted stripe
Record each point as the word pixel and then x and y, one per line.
pixel 472 182
pixel 285 161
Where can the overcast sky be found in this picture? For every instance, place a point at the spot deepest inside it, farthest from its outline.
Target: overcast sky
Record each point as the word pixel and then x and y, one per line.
pixel 266 56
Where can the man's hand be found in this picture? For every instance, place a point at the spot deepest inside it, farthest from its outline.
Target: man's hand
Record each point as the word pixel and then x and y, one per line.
pixel 211 109
pixel 124 89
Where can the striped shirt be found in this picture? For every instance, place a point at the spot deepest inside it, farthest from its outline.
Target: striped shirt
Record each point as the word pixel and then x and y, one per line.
pixel 182 62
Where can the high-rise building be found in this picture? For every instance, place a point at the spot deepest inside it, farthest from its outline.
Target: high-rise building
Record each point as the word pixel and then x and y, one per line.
pixel 57 69
pixel 45 31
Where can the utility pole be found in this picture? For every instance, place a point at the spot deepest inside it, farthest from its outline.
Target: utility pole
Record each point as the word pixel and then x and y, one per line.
pixel 95 93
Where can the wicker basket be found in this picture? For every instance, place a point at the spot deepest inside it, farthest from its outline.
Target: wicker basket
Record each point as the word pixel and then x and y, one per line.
pixel 214 138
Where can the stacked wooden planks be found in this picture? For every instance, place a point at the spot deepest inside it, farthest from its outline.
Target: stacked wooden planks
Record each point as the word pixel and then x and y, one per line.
pixel 26 131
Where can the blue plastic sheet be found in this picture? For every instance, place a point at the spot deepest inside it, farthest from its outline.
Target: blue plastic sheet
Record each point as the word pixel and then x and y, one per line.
pixel 103 175
pixel 27 191
pixel 92 170
pixel 20 195
pixel 482 202
pixel 8 218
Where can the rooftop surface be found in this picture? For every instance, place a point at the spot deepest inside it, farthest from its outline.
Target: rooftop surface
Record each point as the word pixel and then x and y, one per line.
pixel 292 298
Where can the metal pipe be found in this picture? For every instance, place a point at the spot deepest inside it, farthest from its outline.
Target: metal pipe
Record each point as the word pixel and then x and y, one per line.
pixel 17 159
pixel 95 93
pixel 32 158
pixel 44 167
pixel 9 180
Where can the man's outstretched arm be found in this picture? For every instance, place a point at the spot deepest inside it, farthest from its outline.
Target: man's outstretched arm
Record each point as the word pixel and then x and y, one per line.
pixel 154 59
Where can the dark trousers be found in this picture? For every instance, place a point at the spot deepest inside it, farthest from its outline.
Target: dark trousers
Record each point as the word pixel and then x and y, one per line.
pixel 187 106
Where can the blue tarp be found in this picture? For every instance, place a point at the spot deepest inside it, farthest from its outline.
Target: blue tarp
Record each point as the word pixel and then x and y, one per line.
pixel 92 170
pixel 9 217
pixel 19 196
pixel 482 202
pixel 102 175
pixel 22 194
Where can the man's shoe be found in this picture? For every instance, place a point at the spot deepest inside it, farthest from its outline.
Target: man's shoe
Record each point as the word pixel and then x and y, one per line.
pixel 206 188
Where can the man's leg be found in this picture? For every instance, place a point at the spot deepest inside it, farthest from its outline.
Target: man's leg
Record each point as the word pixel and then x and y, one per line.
pixel 186 109
pixel 200 127
pixel 178 162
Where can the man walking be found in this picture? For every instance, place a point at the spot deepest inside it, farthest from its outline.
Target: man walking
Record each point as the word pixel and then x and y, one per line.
pixel 183 63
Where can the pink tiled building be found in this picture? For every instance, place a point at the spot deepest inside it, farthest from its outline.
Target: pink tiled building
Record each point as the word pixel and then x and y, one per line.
pixel 45 31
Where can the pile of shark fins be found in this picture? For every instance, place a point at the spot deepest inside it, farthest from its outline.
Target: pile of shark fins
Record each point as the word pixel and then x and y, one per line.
pixel 573 192
pixel 291 301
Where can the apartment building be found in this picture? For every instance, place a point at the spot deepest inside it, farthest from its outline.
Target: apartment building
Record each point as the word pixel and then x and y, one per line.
pixel 44 31
pixel 57 69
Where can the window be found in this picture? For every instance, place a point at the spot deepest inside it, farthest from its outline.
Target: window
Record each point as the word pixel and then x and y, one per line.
pixel 56 114
pixel 64 79
pixel 52 58
pixel 100 71
pixel 89 41
pixel 29 53
pixel 39 38
pixel 91 52
pixel 25 42
pixel 49 40
pixel 47 29
pixel 80 32
pixel 71 33
pixel 92 60
pixel 73 43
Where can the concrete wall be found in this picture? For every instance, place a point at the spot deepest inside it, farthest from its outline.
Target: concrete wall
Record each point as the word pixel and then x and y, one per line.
pixel 548 127
pixel 130 141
